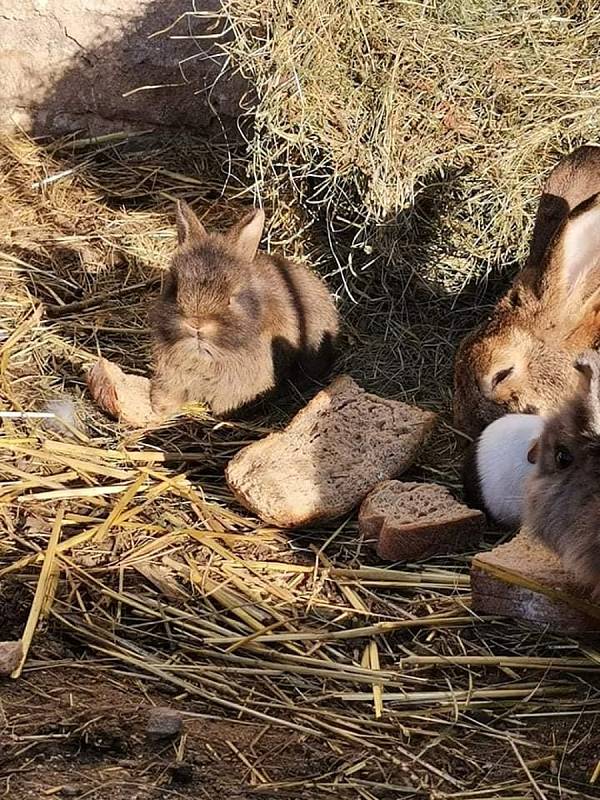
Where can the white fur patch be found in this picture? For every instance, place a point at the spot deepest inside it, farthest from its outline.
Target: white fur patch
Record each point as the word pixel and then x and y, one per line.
pixel 581 247
pixel 502 465
pixel 65 418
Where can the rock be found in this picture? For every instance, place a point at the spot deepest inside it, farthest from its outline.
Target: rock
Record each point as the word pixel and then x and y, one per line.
pixel 70 791
pixel 11 654
pixel 163 723
pixel 182 773
pixel 70 66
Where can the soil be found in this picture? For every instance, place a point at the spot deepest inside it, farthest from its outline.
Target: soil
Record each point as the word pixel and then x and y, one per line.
pixel 75 725
pixel 80 733
pixel 70 729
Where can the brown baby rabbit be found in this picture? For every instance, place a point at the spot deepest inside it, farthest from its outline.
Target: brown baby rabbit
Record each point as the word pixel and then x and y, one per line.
pixel 562 505
pixel 232 321
pixel 520 359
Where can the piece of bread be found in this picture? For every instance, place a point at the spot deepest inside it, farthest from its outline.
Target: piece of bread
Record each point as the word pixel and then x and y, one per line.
pixel 122 396
pixel 329 457
pixel 524 580
pixel 411 521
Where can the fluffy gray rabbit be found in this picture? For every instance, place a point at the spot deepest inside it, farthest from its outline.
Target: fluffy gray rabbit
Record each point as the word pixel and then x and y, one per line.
pixel 232 321
pixel 562 504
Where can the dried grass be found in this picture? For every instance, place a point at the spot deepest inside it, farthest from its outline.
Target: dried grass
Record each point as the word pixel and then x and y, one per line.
pixel 141 560
pixel 419 131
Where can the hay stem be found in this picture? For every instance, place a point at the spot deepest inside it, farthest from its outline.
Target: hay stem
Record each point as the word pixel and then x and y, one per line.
pixel 42 599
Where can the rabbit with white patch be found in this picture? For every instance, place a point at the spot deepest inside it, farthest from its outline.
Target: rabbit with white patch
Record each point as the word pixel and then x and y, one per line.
pixel 562 504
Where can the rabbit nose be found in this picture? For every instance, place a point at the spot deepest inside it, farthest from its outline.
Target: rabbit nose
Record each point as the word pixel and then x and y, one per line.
pixel 202 328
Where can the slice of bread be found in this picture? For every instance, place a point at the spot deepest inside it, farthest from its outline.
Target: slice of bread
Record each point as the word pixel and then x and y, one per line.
pixel 411 521
pixel 329 457
pixel 524 580
pixel 122 396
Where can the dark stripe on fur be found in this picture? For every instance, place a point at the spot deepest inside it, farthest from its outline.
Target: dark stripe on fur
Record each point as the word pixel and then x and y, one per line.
pixel 471 479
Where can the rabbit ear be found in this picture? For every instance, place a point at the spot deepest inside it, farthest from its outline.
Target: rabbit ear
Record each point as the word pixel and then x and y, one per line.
pixel 247 233
pixel 572 181
pixel 588 366
pixel 189 227
pixel 573 260
pixel 551 213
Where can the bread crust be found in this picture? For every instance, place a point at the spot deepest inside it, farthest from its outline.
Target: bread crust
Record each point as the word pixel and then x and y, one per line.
pixel 124 397
pixel 397 540
pixel 524 580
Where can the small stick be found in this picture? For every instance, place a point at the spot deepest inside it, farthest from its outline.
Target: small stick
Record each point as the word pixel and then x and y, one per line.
pixel 27 415
pixel 460 695
pixel 71 494
pixel 527 772
pixel 40 591
pixel 377 687
pixel 255 772
pixel 90 302
pixel 154 86
pixel 118 136
pixel 56 177
pixel 119 455
pixel 378 629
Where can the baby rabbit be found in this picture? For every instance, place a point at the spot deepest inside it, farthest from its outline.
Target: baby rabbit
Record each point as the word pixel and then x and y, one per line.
pixel 520 358
pixel 497 465
pixel 562 504
pixel 232 321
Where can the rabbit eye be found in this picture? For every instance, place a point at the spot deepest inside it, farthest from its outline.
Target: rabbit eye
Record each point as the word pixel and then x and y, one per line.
pixel 563 458
pixel 246 301
pixel 500 376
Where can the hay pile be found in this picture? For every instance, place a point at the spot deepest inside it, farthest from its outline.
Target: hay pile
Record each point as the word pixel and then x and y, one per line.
pixel 435 120
pixel 129 549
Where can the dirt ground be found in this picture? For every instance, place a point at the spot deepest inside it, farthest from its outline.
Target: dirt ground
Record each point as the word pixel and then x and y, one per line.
pixel 72 731
pixel 70 727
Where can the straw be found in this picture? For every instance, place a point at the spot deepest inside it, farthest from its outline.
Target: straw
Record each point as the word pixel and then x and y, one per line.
pixel 129 545
pixel 42 599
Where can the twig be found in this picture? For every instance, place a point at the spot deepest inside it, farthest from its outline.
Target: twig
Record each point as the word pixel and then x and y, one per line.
pixel 39 597
pixel 98 298
pixel 527 771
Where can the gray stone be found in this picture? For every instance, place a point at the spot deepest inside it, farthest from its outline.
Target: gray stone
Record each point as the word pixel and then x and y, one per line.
pixel 70 791
pixel 163 723
pixel 67 64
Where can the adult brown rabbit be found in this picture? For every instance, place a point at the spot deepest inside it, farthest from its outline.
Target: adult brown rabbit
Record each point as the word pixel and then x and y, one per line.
pixel 562 504
pixel 232 321
pixel 520 359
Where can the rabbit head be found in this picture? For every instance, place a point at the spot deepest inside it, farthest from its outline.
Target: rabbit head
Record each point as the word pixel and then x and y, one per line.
pixel 562 504
pixel 210 303
pixel 520 359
